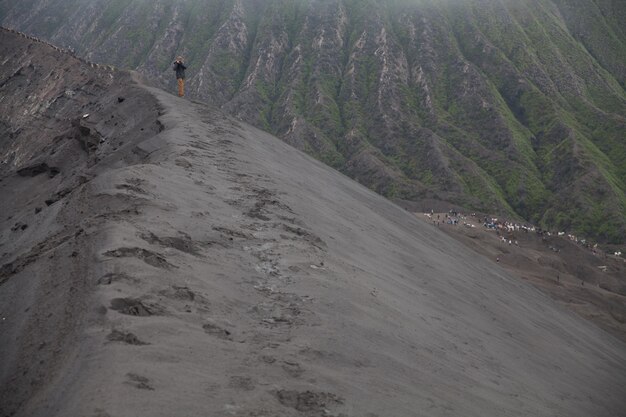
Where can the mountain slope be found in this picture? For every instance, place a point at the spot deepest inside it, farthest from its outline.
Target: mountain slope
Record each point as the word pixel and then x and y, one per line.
pixel 203 267
pixel 502 106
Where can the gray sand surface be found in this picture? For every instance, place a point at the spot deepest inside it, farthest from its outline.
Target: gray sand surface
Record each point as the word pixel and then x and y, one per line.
pixel 220 272
pixel 587 280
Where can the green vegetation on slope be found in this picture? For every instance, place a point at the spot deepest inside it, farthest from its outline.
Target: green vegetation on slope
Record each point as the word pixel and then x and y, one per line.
pixel 515 107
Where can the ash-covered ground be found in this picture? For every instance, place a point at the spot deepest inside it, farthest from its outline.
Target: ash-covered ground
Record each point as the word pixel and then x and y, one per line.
pixel 159 258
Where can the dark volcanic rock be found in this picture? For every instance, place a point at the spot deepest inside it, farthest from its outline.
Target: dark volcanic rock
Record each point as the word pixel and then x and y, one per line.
pixel 45 94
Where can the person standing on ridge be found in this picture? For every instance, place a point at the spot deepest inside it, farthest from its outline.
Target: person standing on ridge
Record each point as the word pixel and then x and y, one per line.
pixel 180 68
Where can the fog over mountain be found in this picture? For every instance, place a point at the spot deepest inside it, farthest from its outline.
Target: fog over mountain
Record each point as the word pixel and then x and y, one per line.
pixel 508 107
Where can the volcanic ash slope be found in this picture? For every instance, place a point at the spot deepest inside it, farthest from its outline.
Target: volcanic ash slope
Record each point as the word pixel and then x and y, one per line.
pixel 225 273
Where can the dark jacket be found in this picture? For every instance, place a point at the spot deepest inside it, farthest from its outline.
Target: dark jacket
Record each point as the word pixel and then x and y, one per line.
pixel 180 68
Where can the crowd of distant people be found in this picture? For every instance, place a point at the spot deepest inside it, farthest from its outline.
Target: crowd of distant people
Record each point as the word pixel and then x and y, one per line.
pixel 506 229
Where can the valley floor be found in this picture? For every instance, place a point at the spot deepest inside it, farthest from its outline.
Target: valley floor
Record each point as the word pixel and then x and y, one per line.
pixel 588 281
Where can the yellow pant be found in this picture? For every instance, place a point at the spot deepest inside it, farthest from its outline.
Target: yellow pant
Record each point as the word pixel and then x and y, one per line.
pixel 181 87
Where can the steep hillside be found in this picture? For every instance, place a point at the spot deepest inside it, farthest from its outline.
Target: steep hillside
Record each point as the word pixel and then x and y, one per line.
pixel 159 258
pixel 505 106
